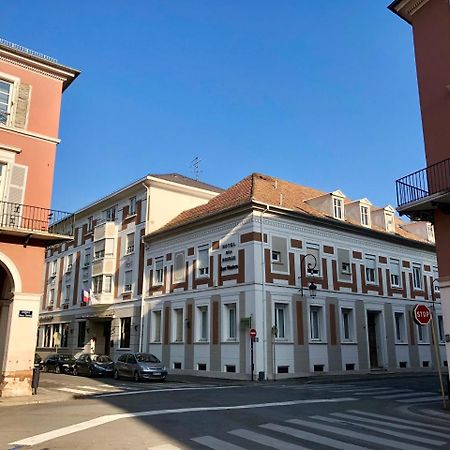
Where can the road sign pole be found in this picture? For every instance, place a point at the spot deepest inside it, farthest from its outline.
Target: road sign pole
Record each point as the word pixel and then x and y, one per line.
pixel 438 361
pixel 251 352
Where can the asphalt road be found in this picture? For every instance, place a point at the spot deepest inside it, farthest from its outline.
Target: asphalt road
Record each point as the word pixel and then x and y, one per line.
pixel 398 413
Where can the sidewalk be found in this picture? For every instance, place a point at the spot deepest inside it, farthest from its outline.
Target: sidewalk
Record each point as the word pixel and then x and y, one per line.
pixel 43 396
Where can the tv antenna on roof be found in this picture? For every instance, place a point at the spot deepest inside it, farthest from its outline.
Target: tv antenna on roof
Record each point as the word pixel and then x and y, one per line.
pixel 195 166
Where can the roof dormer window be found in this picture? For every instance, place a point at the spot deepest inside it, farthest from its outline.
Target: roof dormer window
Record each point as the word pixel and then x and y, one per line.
pixel 390 223
pixel 338 208
pixel 365 216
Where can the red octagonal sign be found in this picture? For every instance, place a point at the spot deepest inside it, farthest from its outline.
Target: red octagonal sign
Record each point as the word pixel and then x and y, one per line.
pixel 422 314
pixel 252 333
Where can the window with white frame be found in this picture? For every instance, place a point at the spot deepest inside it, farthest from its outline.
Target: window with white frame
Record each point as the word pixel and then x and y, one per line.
pixel 279 254
pixel 338 208
pixel 179 267
pixel 371 269
pixel 99 249
pixel 230 322
pixel 130 243
pixel 125 332
pixel 97 284
pixel 281 320
pixel 365 216
pixel 90 224
pixel 65 334
pixel 400 327
pixel 107 287
pixel 51 297
pixel 312 263
pixel 203 261
pixel 54 267
pixel 178 316
pixel 67 293
pixel 422 334
pixel 348 334
pixel 156 318
pixel 345 269
pixel 110 214
pixel 69 262
pixel 159 272
pixel 87 257
pixel 132 206
pixel 5 101
pixel 128 281
pixel 394 265
pixel 435 278
pixel 203 323
pixel 390 222
pixel 315 323
pixel 417 276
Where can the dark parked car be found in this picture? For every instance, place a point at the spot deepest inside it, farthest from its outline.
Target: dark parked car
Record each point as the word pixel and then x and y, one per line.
pixel 93 365
pixel 59 363
pixel 140 366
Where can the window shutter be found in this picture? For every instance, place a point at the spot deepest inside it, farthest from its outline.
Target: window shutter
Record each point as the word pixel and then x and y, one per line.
pixel 23 98
pixel 15 192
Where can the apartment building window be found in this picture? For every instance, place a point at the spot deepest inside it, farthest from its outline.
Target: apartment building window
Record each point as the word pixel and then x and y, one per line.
pixel 371 269
pixel 435 278
pixel 54 267
pixel 280 320
pixel 338 206
pixel 69 261
pixel 90 224
pixel 128 281
pixel 99 249
pixel 178 324
pixel 276 256
pixel 65 335
pixel 203 261
pixel 81 333
pixel 422 334
pixel 441 329
pixel 417 276
pixel 279 254
pixel 51 297
pixel 203 323
pixel 231 321
pixel 159 271
pixel 108 284
pixel 344 266
pixel 130 243
pixel 47 335
pixel 312 263
pixel 110 214
pixel 390 223
pixel 394 265
pixel 132 206
pixel 125 331
pixel 315 323
pixel 97 284
pixel 347 324
pixel 156 316
pixel 87 258
pixel 5 100
pixel 179 267
pixel 365 217
pixel 400 331
pixel 67 293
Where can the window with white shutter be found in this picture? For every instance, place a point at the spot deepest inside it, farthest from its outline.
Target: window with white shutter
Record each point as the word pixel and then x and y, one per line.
pixel 12 210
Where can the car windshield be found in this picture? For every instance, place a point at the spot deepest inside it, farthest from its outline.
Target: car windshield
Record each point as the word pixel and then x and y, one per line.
pixel 66 357
pixel 147 357
pixel 101 358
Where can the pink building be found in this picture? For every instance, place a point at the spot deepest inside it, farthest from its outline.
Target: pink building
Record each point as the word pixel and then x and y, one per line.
pixel 31 86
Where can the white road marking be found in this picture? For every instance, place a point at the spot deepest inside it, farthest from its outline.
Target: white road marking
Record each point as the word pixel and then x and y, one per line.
pixel 307 436
pixel 437 414
pixel 386 392
pixel 360 390
pixel 39 438
pixel 74 391
pixel 164 447
pixel 216 444
pixel 263 439
pixel 355 435
pixel 399 395
pixel 421 399
pixel 396 419
pixel 92 388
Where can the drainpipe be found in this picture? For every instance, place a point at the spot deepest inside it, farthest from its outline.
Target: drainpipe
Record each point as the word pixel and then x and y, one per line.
pixel 263 292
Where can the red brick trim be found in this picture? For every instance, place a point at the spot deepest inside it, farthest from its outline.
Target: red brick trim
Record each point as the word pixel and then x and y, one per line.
pixel 328 249
pixel 191 251
pixel 382 259
pixel 215 322
pixel 190 321
pixel 215 245
pixel 239 276
pixel 426 268
pixel 149 261
pixel 337 285
pixel 166 325
pixel 295 243
pixel 169 257
pixel 271 276
pixel 249 237
pixel 357 255
pixel 406 264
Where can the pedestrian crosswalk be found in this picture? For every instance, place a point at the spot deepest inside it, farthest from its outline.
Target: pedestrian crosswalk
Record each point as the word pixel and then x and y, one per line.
pixel 349 430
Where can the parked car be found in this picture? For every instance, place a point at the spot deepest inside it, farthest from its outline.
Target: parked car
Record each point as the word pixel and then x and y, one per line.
pixel 59 363
pixel 139 366
pixel 92 365
pixel 38 361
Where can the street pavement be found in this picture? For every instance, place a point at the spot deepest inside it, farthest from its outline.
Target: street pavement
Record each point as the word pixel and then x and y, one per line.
pixel 388 413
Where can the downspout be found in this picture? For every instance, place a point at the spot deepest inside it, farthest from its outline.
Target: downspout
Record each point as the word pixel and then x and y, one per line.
pixel 263 293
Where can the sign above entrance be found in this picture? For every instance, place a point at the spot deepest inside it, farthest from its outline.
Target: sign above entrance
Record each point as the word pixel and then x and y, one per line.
pixel 422 314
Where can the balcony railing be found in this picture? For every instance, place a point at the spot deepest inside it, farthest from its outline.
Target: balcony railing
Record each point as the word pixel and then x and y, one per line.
pixel 429 182
pixel 35 219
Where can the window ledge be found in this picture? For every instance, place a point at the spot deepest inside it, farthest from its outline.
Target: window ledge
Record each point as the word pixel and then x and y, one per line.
pixel 313 341
pixel 349 342
pixel 129 216
pixel 401 343
pixel 202 342
pixel 124 348
pixel 282 341
pixel 230 341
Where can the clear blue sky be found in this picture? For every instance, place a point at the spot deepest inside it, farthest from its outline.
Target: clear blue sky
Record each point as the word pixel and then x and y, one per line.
pixel 322 93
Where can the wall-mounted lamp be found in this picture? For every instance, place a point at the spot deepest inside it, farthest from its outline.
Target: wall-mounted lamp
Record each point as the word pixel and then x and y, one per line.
pixel 312 288
pixel 136 327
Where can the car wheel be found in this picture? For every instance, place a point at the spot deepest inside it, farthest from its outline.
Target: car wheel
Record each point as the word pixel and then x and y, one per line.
pixel 136 376
pixel 116 374
pixel 91 373
pixel 75 371
pixel 45 369
pixel 57 369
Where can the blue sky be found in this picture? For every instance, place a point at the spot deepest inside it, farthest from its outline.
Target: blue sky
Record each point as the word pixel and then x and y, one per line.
pixel 322 93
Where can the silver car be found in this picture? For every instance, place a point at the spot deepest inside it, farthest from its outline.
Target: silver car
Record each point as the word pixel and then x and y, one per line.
pixel 140 366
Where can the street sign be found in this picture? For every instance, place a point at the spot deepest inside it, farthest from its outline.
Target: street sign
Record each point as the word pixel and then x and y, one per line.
pixel 25 313
pixel 252 333
pixel 422 314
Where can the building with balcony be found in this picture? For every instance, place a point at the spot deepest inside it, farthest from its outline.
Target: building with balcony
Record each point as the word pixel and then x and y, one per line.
pixel 31 87
pixel 93 284
pixel 327 282
pixel 425 194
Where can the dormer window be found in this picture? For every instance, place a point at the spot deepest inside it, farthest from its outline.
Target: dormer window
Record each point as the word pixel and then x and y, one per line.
pixel 365 218
pixel 338 208
pixel 390 224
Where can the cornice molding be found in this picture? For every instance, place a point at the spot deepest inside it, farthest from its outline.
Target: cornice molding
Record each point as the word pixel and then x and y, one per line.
pixel 41 137
pixel 407 8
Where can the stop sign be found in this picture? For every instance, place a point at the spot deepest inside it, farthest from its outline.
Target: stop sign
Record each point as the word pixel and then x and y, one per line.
pixel 422 314
pixel 252 333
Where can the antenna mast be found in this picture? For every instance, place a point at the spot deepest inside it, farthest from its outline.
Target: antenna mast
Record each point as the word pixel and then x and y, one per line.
pixel 195 165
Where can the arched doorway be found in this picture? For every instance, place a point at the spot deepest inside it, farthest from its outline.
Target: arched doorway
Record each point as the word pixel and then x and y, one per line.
pixel 6 298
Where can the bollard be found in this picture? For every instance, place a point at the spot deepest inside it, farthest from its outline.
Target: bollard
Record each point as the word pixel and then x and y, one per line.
pixel 35 379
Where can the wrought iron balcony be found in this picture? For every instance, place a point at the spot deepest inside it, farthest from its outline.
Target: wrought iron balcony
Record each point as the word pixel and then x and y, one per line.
pixel 421 192
pixel 40 223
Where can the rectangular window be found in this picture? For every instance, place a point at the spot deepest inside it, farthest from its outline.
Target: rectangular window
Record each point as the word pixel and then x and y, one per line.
pixel 279 254
pixel 400 332
pixel 422 334
pixel 54 267
pixel 90 224
pixel 179 267
pixel 203 323
pixel 435 278
pixel 312 263
pixel 347 324
pixel 344 266
pixel 179 325
pixel 338 206
pixel 440 321
pixel 81 334
pixel 128 281
pixel 110 214
pixel 51 297
pixel 417 276
pixel 365 216
pixel 69 262
pixel 87 258
pixel 65 335
pixel 99 249
pixel 97 284
pixel 395 272
pixel 130 243
pixel 390 223
pixel 108 284
pixel 5 101
pixel 159 271
pixel 280 320
pixel 132 206
pixel 315 323
pixel 371 269
pixel 125 330
pixel 67 293
pixel 156 326
pixel 47 335
pixel 231 321
pixel 276 256
pixel 203 261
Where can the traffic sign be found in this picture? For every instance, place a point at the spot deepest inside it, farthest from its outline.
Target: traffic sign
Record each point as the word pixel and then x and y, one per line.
pixel 252 333
pixel 422 314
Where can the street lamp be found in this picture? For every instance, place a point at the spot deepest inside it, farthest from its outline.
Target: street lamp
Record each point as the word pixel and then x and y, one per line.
pixel 309 270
